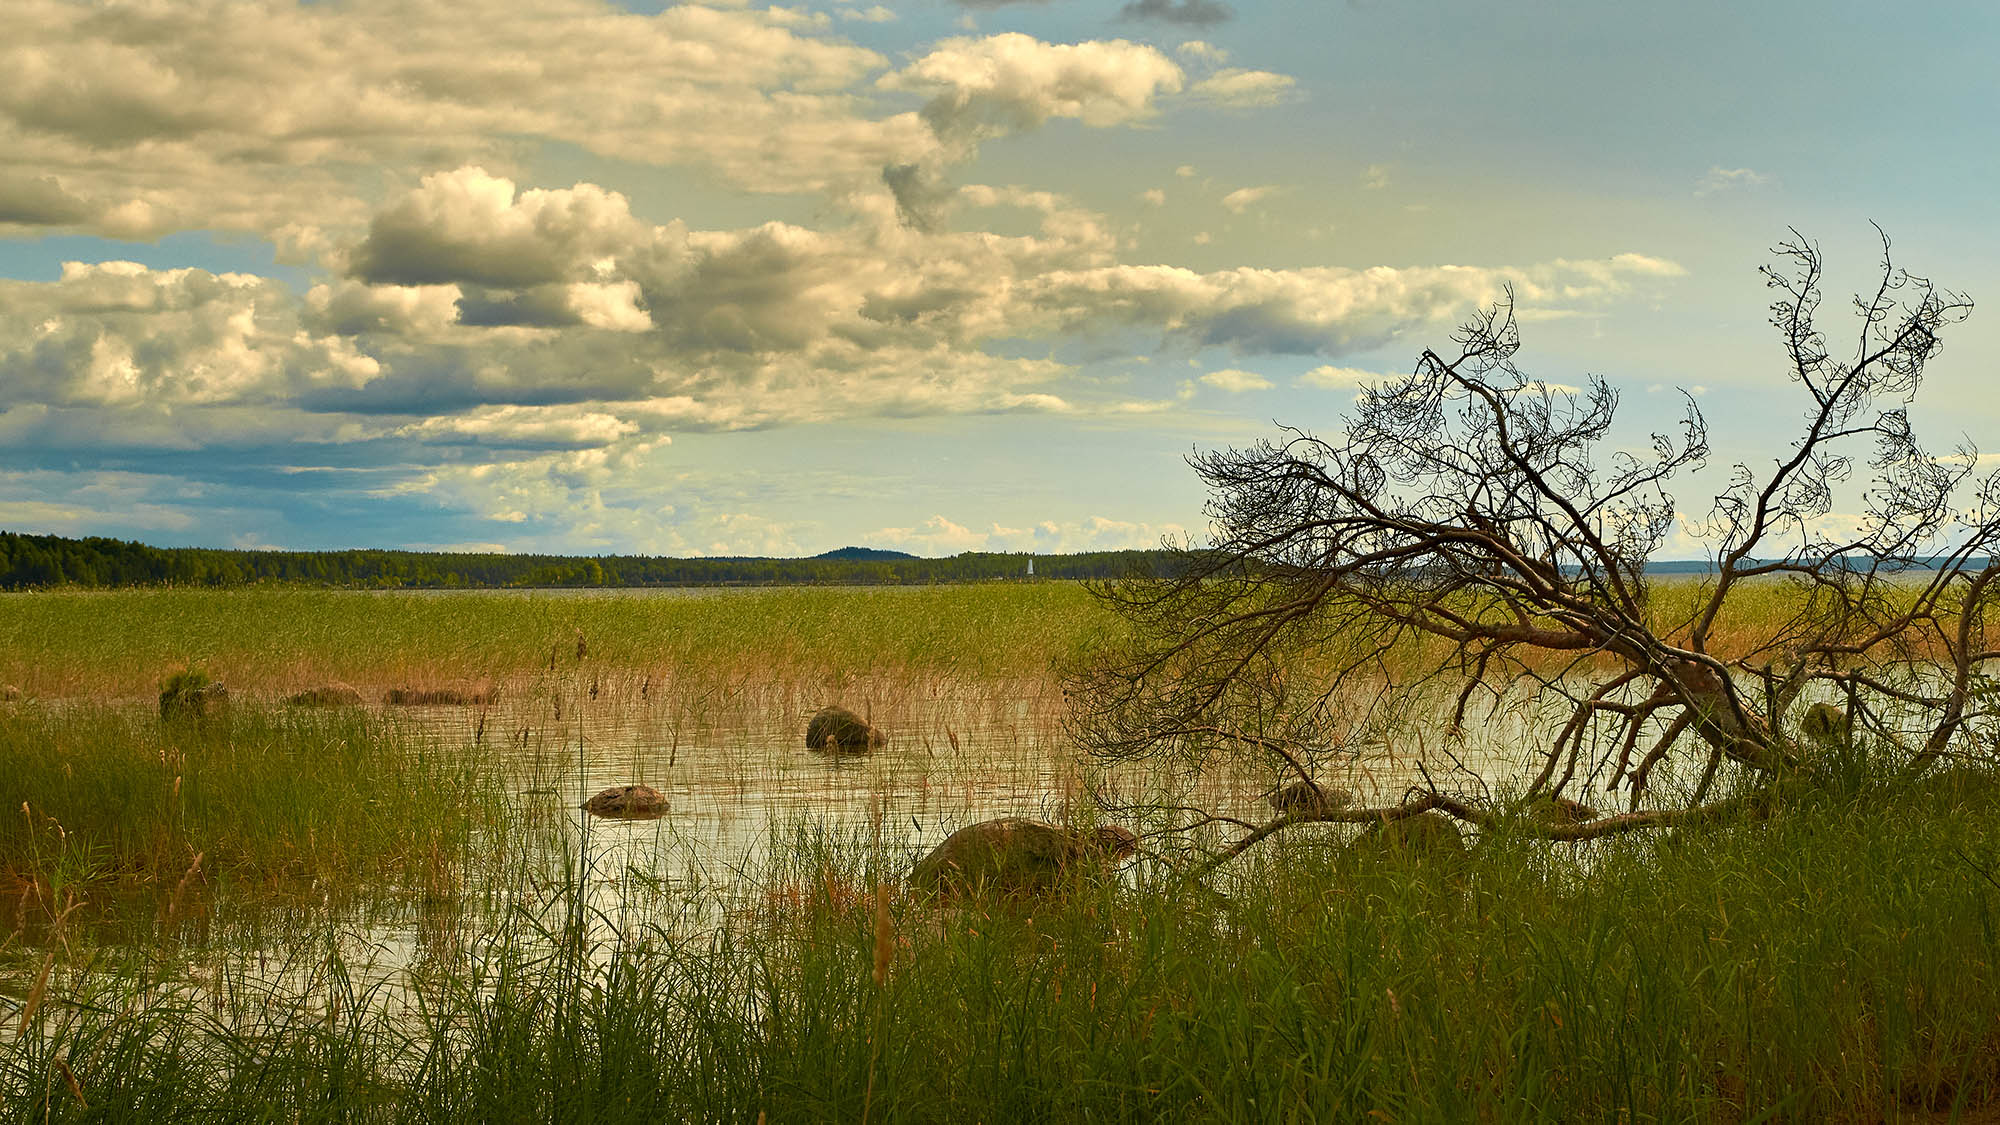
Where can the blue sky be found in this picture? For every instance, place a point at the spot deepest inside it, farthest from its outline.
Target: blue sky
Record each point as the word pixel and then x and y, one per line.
pixel 727 279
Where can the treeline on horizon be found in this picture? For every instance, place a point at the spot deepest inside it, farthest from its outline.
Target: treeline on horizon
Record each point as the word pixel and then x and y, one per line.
pixel 49 561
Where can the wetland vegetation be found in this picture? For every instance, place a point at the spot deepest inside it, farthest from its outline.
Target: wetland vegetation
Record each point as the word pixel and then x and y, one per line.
pixel 361 941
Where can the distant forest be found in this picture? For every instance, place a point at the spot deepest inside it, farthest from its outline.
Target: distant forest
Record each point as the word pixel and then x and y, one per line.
pixel 46 561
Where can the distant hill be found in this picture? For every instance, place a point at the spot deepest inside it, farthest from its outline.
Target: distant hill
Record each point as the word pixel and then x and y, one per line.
pixel 864 554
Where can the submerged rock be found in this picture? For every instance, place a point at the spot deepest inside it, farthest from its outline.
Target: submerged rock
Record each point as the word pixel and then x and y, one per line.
pixel 1017 856
pixel 326 695
pixel 1310 797
pixel 837 730
pixel 628 802
pixel 440 697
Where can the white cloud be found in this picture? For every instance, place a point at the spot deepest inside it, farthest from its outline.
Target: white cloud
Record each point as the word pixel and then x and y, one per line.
pixel 119 334
pixel 470 226
pixel 941 536
pixel 1154 196
pixel 140 119
pixel 1198 50
pixel 875 13
pixel 1329 377
pixel 1242 199
pixel 1376 177
pixel 527 426
pixel 1185 171
pixel 1011 82
pixel 1244 89
pixel 1718 178
pixel 1236 381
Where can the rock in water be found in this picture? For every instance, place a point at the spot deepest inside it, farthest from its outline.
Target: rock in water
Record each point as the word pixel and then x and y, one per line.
pixel 628 802
pixel 1016 856
pixel 1824 722
pixel 1310 797
pixel 837 730
pixel 326 695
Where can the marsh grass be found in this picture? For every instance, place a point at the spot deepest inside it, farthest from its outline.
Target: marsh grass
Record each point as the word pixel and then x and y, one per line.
pixel 275 641
pixel 107 799
pixel 1832 963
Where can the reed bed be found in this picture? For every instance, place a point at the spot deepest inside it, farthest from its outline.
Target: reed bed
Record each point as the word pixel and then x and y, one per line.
pixel 1833 963
pixel 277 640
pixel 281 640
pixel 102 798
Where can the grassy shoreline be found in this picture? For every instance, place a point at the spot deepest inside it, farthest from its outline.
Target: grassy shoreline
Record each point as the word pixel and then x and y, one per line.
pixel 1836 963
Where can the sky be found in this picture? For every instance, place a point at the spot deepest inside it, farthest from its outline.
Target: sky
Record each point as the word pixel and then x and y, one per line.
pixel 719 279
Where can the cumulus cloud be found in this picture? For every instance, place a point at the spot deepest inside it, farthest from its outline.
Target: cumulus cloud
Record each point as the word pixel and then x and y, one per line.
pixel 31 200
pixel 119 334
pixel 150 118
pixel 1006 83
pixel 469 226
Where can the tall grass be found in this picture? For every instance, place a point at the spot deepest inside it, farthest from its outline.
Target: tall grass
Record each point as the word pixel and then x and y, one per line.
pixel 99 797
pixel 1834 963
pixel 119 643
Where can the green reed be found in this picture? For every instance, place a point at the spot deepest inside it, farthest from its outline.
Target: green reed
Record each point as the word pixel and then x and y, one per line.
pixel 280 640
pixel 99 797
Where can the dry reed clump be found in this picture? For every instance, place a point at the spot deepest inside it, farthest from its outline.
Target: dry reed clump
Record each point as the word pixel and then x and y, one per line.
pixel 191 695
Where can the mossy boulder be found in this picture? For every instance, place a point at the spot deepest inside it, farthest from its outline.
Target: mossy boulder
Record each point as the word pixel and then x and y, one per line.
pixel 628 802
pixel 190 695
pixel 836 730
pixel 1304 797
pixel 1014 856
pixel 326 695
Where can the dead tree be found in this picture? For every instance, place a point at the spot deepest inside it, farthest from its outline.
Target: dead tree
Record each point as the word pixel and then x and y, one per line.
pixel 1475 539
